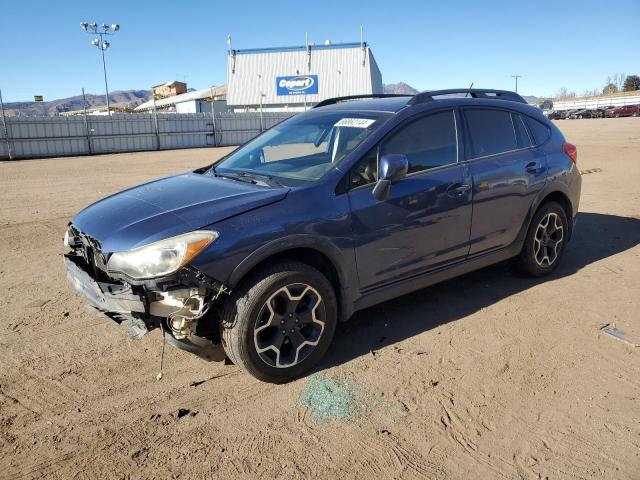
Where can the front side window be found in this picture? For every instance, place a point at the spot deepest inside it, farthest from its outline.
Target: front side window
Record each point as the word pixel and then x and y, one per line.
pixel 303 148
pixel 489 132
pixel 428 142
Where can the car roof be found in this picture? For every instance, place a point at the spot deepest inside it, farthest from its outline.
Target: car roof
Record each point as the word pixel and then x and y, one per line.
pixel 397 103
pixel 384 104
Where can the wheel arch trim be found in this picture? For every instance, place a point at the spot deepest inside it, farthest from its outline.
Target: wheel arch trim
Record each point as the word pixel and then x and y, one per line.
pixel 346 276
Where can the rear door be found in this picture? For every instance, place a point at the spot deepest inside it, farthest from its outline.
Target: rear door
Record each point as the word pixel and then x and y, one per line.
pixel 425 221
pixel 507 170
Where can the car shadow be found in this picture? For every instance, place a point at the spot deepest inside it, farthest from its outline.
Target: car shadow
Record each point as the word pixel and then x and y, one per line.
pixel 596 237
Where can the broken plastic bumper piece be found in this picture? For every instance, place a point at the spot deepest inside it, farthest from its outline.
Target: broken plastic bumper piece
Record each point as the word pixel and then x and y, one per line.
pixel 107 297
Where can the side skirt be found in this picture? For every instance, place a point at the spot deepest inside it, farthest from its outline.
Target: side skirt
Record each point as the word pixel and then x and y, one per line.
pixel 431 277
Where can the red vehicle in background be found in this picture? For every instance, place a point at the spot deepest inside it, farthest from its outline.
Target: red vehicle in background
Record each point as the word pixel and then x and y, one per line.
pixel 626 111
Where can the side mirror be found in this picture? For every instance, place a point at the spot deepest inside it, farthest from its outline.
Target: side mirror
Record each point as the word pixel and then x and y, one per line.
pixel 393 167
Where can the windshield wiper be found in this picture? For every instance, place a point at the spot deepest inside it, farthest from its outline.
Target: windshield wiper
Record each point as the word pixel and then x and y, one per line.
pixel 248 177
pixel 268 179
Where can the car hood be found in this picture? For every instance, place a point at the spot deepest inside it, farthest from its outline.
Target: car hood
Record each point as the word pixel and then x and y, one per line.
pixel 167 207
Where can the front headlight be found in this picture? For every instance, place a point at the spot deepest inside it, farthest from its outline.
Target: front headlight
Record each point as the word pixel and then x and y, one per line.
pixel 160 258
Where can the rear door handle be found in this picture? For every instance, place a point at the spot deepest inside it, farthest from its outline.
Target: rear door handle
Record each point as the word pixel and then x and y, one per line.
pixel 458 189
pixel 533 167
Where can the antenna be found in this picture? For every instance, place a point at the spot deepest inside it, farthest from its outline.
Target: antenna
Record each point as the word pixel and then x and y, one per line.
pixel 232 54
pixel 362 44
pixel 306 43
pixel 470 87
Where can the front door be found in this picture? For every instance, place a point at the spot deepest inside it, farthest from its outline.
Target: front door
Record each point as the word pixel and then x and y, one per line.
pixel 425 222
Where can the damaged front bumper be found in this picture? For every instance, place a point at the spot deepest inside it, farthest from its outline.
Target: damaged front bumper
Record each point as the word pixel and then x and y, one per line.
pixel 185 305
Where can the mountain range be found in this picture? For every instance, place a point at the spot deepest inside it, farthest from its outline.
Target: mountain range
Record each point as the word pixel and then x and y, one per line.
pixel 133 98
pixel 118 98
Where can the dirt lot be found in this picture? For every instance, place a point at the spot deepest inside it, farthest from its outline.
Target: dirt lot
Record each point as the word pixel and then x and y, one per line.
pixel 491 375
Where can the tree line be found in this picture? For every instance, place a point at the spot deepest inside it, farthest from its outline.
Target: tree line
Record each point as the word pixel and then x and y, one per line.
pixel 618 82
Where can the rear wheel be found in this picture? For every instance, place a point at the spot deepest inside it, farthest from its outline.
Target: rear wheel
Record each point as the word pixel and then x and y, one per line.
pixel 280 323
pixel 545 241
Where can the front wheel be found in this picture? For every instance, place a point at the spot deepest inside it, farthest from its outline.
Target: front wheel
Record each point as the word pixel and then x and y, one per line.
pixel 280 322
pixel 545 241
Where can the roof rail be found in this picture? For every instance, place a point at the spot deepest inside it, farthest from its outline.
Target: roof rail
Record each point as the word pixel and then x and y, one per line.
pixel 331 101
pixel 428 96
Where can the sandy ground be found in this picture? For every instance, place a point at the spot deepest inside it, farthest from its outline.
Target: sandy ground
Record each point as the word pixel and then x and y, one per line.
pixel 491 375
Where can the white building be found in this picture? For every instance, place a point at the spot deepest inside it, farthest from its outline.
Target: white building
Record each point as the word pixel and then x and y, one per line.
pixel 196 101
pixel 296 78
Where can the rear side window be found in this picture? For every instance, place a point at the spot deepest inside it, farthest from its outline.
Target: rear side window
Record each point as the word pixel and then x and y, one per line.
pixel 489 132
pixel 540 131
pixel 428 142
pixel 522 136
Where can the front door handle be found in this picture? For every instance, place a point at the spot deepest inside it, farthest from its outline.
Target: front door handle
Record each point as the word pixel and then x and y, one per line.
pixel 458 189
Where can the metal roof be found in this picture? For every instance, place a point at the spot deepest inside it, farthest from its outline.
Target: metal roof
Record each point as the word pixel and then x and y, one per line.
pixel 299 48
pixel 205 93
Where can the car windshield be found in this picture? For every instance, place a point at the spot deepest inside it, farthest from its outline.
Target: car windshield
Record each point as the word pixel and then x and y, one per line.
pixel 300 149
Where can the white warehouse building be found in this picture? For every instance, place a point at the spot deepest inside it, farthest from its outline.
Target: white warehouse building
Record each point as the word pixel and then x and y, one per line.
pixel 296 78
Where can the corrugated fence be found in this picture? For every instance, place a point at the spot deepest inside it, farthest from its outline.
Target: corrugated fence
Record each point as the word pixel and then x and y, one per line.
pixel 33 137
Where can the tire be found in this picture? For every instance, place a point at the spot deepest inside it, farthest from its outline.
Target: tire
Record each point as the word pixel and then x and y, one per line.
pixel 541 253
pixel 257 310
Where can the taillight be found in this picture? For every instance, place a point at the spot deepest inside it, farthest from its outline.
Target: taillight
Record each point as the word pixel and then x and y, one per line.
pixel 571 150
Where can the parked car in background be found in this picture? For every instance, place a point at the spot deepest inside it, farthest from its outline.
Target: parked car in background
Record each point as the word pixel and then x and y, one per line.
pixel 586 113
pixel 626 111
pixel 339 208
pixel 556 115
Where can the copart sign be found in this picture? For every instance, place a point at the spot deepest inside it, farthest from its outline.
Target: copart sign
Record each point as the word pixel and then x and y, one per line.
pixel 298 85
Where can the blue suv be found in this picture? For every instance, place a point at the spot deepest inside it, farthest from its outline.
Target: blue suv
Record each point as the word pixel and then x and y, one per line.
pixel 357 201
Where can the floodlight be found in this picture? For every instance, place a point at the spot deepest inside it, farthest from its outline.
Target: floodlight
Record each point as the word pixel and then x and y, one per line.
pixel 115 27
pixel 95 41
pixel 105 45
pixel 83 25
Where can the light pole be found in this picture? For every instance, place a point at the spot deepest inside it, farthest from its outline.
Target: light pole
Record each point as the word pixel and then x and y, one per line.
pixel 102 44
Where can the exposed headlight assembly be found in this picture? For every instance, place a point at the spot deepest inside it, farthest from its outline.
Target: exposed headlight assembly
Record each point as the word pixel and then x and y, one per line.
pixel 160 258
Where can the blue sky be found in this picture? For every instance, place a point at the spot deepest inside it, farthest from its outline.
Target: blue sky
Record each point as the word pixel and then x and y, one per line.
pixel 552 44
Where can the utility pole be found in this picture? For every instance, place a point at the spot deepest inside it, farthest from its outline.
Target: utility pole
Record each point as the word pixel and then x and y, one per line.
pixel 86 122
pixel 5 130
pixel 516 76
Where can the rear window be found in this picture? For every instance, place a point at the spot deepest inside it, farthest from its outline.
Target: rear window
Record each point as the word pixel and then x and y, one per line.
pixel 540 131
pixel 489 132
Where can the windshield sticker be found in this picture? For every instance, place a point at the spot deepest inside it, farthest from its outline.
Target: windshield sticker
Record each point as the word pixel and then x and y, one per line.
pixel 355 122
